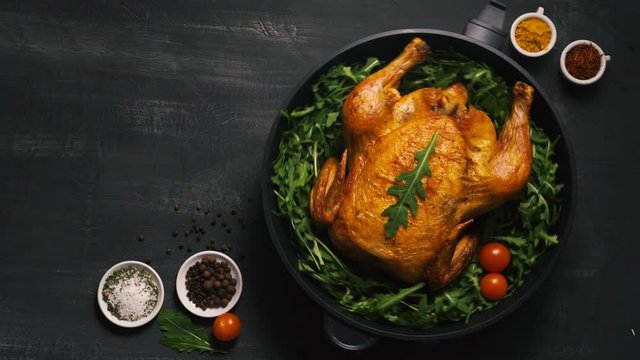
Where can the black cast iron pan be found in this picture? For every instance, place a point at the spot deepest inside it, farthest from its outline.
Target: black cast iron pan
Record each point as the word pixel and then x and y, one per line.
pixel 356 332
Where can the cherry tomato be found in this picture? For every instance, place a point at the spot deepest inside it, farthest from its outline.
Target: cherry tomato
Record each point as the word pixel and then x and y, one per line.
pixel 226 327
pixel 494 257
pixel 493 286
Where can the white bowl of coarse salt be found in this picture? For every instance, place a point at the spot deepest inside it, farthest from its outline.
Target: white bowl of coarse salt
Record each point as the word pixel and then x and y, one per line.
pixel 130 294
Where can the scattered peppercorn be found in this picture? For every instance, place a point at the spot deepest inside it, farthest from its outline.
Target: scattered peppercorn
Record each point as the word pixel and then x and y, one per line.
pixel 195 228
pixel 147 260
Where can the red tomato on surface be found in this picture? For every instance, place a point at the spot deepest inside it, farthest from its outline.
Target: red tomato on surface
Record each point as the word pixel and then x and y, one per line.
pixel 493 286
pixel 227 327
pixel 494 257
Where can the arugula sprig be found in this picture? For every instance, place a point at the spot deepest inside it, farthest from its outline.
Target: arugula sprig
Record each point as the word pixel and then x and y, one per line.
pixel 409 186
pixel 315 134
pixel 180 334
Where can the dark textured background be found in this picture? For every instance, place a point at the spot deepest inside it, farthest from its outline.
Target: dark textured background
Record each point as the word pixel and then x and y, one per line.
pixel 114 111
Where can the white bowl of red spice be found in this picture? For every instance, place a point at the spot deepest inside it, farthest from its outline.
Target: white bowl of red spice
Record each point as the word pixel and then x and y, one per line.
pixel 130 294
pixel 209 284
pixel 583 62
pixel 533 34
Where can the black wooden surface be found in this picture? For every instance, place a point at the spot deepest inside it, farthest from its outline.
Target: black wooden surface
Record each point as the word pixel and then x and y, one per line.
pixel 114 111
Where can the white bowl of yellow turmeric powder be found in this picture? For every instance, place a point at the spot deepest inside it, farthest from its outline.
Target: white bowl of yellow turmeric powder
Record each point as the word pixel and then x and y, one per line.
pixel 533 34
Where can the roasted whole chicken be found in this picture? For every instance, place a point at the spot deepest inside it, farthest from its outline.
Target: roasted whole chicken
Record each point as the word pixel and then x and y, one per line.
pixel 473 172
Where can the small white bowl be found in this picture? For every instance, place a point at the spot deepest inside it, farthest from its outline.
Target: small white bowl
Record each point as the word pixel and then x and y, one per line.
pixel 539 14
pixel 139 322
pixel 181 286
pixel 603 62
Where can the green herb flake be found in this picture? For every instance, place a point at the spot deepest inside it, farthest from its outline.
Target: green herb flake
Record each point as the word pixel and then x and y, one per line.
pixel 130 293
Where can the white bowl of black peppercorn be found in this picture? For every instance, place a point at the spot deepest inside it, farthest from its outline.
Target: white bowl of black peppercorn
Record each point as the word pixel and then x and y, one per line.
pixel 213 285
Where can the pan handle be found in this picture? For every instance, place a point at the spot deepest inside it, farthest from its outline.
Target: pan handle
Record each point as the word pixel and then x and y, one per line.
pixel 346 336
pixel 487 27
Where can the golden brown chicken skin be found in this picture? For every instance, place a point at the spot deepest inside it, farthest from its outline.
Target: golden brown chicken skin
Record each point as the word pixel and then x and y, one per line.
pixel 473 172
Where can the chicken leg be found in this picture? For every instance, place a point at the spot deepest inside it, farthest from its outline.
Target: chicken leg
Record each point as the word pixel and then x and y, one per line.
pixel 368 107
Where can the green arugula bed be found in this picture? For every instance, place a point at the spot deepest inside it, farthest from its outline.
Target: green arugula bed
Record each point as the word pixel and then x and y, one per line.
pixel 315 133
